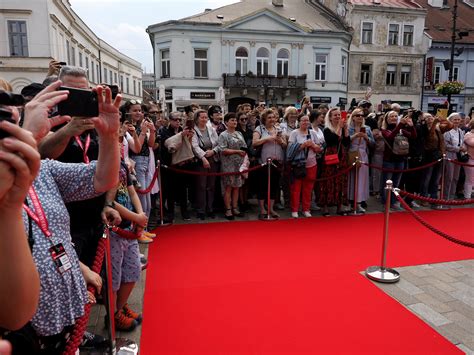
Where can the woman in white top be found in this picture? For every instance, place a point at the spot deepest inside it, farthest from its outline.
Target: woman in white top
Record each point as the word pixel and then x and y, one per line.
pixel 302 187
pixel 469 170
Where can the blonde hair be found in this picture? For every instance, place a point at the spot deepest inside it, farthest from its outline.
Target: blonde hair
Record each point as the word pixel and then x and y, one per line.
pixel 327 121
pixel 350 122
pixel 385 119
pixel 290 110
pixel 5 85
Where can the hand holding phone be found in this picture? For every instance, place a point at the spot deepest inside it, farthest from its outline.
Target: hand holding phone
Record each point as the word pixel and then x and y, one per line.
pixel 79 103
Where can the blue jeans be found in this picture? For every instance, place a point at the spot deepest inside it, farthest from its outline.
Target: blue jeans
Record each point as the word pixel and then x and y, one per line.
pixel 430 181
pixel 141 168
pixel 395 177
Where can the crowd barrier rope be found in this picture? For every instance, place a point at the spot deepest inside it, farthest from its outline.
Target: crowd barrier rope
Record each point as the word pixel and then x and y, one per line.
pixel 427 225
pixel 150 187
pixel 436 201
pixel 191 172
pixel 81 324
pixel 342 172
pixel 403 170
pixel 457 162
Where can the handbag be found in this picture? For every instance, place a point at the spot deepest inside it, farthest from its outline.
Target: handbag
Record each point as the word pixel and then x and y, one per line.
pixel 333 159
pixel 462 157
pixel 299 170
pixel 401 146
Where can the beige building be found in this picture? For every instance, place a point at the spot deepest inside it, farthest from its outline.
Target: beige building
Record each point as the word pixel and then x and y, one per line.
pixel 387 49
pixel 37 31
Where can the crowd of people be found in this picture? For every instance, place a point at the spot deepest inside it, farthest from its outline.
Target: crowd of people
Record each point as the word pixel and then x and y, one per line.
pixel 63 178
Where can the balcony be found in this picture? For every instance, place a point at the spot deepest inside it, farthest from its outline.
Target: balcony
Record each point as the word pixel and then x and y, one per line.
pixel 264 81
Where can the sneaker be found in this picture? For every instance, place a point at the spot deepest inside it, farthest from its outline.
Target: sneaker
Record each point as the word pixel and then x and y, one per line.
pixel 186 216
pixel 124 323
pixel 360 208
pixel 148 234
pixel 144 239
pixel 294 214
pixel 413 204
pixel 307 214
pixel 130 313
pixel 143 260
pixel 93 341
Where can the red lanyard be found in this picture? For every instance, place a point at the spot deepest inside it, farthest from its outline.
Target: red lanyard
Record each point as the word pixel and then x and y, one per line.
pixel 38 214
pixel 86 148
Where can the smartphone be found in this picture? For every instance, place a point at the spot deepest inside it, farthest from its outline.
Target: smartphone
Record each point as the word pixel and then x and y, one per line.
pixel 344 115
pixel 189 124
pixel 362 129
pixel 5 115
pixel 79 103
pixel 62 63
pixel 115 90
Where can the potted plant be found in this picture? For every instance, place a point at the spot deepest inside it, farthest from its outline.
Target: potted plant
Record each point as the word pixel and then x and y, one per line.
pixel 449 87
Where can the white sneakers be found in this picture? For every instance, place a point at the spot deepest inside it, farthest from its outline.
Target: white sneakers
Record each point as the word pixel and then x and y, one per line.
pixel 294 214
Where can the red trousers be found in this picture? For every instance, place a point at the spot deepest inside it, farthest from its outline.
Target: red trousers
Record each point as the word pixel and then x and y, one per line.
pixel 302 188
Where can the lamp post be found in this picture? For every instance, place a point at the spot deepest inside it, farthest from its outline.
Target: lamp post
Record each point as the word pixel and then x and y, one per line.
pixel 453 44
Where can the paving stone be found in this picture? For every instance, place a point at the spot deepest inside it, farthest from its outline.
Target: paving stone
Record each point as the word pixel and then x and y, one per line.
pixel 458 332
pixel 462 286
pixel 408 287
pixel 397 293
pixel 461 320
pixel 434 303
pixel 441 285
pixel 468 278
pixel 462 308
pixel 417 271
pixel 465 296
pixel 429 314
pixel 411 277
pixel 437 293
pixel 454 273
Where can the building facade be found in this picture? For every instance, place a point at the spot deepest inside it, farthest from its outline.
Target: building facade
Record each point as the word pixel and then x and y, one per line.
pixel 254 50
pixel 38 31
pixel 439 26
pixel 387 51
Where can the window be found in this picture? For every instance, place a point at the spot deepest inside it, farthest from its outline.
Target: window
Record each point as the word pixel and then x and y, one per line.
pixel 80 59
pixel 436 75
pixel 344 69
pixel 115 78
pixel 121 82
pixel 455 73
pixel 97 71
pixel 241 60
pixel 93 71
pixel 87 67
pixel 134 87
pixel 68 52
pixel 408 35
pixel 127 81
pixel 139 88
pixel 263 57
pixel 320 67
pixel 200 63
pixel 17 38
pixel 367 30
pixel 405 75
pixel 283 61
pixel 365 74
pixel 165 63
pixel 391 75
pixel 104 79
pixel 110 77
pixel 73 56
pixel 393 30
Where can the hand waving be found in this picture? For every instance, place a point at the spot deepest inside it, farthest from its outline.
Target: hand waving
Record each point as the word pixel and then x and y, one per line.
pixel 108 122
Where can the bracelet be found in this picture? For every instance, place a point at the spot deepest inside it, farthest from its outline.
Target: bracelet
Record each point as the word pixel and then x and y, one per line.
pixel 110 204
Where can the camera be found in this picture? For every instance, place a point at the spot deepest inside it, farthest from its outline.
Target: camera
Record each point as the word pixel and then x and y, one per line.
pixel 416 115
pixel 5 115
pixel 79 103
pixel 10 99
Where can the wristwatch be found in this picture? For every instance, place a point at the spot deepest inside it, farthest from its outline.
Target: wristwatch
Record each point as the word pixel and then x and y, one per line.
pixel 110 204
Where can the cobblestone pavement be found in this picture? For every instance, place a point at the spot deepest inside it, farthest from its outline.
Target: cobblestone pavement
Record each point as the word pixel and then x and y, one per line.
pixel 443 293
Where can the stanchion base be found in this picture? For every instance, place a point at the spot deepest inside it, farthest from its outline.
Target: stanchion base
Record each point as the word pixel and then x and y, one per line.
pixel 268 219
pixel 125 346
pixel 441 208
pixel 380 274
pixel 164 224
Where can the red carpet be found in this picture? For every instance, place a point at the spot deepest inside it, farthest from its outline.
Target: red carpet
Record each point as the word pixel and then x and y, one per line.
pixel 291 287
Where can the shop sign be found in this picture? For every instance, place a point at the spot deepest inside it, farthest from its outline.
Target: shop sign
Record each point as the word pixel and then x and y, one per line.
pixel 203 95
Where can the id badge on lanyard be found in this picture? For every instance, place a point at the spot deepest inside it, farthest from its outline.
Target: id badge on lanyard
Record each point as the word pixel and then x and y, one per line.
pixel 57 251
pixel 84 147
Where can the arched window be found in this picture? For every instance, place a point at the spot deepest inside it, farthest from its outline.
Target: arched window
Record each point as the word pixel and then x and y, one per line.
pixel 283 60
pixel 263 57
pixel 241 59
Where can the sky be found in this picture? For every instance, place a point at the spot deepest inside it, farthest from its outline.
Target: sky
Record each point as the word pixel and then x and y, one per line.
pixel 122 23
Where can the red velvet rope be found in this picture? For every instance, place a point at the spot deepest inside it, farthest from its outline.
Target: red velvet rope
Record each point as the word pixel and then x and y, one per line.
pixel 437 201
pixel 150 187
pixel 430 227
pixel 81 324
pixel 125 234
pixel 190 172
pixel 345 171
pixel 402 170
pixel 457 162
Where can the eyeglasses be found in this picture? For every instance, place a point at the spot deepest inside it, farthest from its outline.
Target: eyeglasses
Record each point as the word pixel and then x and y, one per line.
pixel 358 115
pixel 135 102
pixel 243 118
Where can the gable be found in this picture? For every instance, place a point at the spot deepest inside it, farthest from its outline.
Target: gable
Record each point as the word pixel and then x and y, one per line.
pixel 263 23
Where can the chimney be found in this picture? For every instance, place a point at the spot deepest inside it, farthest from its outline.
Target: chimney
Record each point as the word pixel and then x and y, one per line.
pixel 277 3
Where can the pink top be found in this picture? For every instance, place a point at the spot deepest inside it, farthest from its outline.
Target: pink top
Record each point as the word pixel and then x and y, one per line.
pixel 469 143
